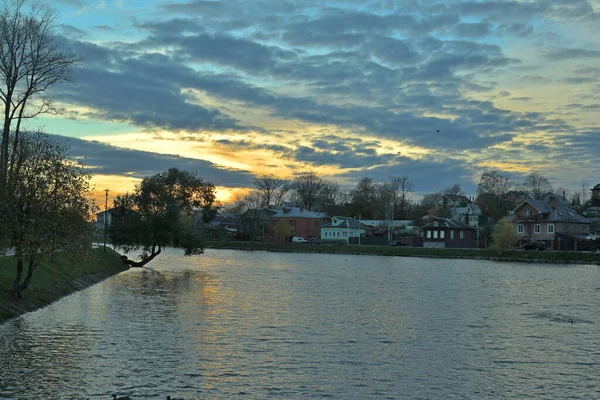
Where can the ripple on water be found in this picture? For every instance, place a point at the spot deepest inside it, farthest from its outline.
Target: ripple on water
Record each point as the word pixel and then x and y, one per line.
pixel 266 325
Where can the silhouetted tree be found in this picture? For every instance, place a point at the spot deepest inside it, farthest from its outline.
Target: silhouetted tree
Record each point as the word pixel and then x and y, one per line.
pixel 536 185
pixel 271 189
pixel 48 206
pixel 308 187
pixel 491 191
pixel 152 217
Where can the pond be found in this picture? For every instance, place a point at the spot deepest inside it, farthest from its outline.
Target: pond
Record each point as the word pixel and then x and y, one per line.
pixel 255 325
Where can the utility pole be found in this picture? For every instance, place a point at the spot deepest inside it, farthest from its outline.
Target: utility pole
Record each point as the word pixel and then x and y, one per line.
pixel 105 216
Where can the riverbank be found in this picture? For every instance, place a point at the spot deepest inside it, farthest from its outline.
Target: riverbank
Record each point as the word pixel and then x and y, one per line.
pixel 561 257
pixel 55 279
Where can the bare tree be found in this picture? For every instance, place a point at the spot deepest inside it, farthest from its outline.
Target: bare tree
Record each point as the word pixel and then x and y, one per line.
pixel 364 197
pixel 329 192
pixel 31 61
pixel 455 190
pixel 536 185
pixel 271 189
pixel 494 187
pixel 308 188
pixel 401 188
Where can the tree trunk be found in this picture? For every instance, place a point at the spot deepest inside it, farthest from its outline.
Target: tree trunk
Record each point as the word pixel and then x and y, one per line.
pixel 140 264
pixel 18 286
pixel 17 281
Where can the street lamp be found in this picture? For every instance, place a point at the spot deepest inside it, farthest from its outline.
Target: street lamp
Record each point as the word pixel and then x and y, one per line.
pixel 105 216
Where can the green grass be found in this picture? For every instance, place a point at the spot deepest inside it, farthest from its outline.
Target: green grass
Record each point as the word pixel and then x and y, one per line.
pixel 561 256
pixel 53 279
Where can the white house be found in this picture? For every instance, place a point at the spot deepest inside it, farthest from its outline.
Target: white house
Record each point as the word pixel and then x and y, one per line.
pixel 342 229
pixel 100 220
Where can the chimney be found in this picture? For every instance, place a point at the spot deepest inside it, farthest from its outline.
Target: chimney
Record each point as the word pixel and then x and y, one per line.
pixel 301 208
pixel 554 202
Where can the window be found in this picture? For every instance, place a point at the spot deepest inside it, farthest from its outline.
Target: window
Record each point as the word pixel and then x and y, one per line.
pixel 428 234
pixel 550 228
pixel 462 234
pixel 451 234
pixel 520 228
pixel 338 233
pixel 537 228
pixel 345 233
pixel 528 213
pixel 442 233
pixel 435 233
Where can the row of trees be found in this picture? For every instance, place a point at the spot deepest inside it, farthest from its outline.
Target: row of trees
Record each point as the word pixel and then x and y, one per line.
pixel 497 194
pixel 369 199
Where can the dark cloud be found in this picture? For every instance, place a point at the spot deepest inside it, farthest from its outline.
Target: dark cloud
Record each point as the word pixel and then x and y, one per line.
pixel 378 69
pixel 104 28
pixel 569 54
pixel 428 176
pixel 472 30
pixel 72 32
pixel 74 3
pixel 104 159
pixel 515 29
pixel 130 96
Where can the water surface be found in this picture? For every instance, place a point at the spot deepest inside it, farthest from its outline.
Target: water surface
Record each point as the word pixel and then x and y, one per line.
pixel 254 325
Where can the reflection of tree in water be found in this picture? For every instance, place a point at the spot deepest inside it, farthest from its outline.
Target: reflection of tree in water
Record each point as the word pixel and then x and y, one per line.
pixel 36 359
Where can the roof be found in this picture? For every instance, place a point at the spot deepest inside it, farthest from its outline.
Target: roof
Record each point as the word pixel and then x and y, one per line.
pixel 296 212
pixel 562 212
pixel 447 223
pixel 454 198
pixel 347 223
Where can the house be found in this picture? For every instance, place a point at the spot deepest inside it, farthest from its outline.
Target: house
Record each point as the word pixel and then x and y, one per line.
pixel 254 224
pixel 296 221
pixel 593 212
pixel 103 220
pixel 452 200
pixel 223 225
pixel 344 229
pixel 446 232
pixel 543 220
pixel 470 214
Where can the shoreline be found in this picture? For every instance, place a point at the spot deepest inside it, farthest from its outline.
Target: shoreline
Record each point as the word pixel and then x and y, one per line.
pixel 520 256
pixel 54 280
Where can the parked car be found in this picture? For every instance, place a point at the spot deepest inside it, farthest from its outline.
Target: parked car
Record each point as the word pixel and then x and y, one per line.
pixel 534 246
pixel 397 243
pixel 298 239
pixel 314 241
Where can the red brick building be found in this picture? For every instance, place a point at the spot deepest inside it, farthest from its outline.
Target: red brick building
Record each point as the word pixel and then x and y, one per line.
pixel 295 221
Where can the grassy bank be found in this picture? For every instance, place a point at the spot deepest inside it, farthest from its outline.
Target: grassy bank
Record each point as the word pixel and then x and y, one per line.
pixel 53 279
pixel 520 256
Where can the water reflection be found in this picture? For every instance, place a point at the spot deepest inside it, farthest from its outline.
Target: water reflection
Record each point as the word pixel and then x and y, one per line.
pixel 259 325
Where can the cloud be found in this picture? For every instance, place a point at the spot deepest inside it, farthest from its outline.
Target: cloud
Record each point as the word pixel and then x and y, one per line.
pixel 569 54
pixel 104 28
pixel 393 73
pixel 104 159
pixel 73 32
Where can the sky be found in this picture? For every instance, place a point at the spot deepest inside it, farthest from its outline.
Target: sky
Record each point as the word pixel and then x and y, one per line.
pixel 438 91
